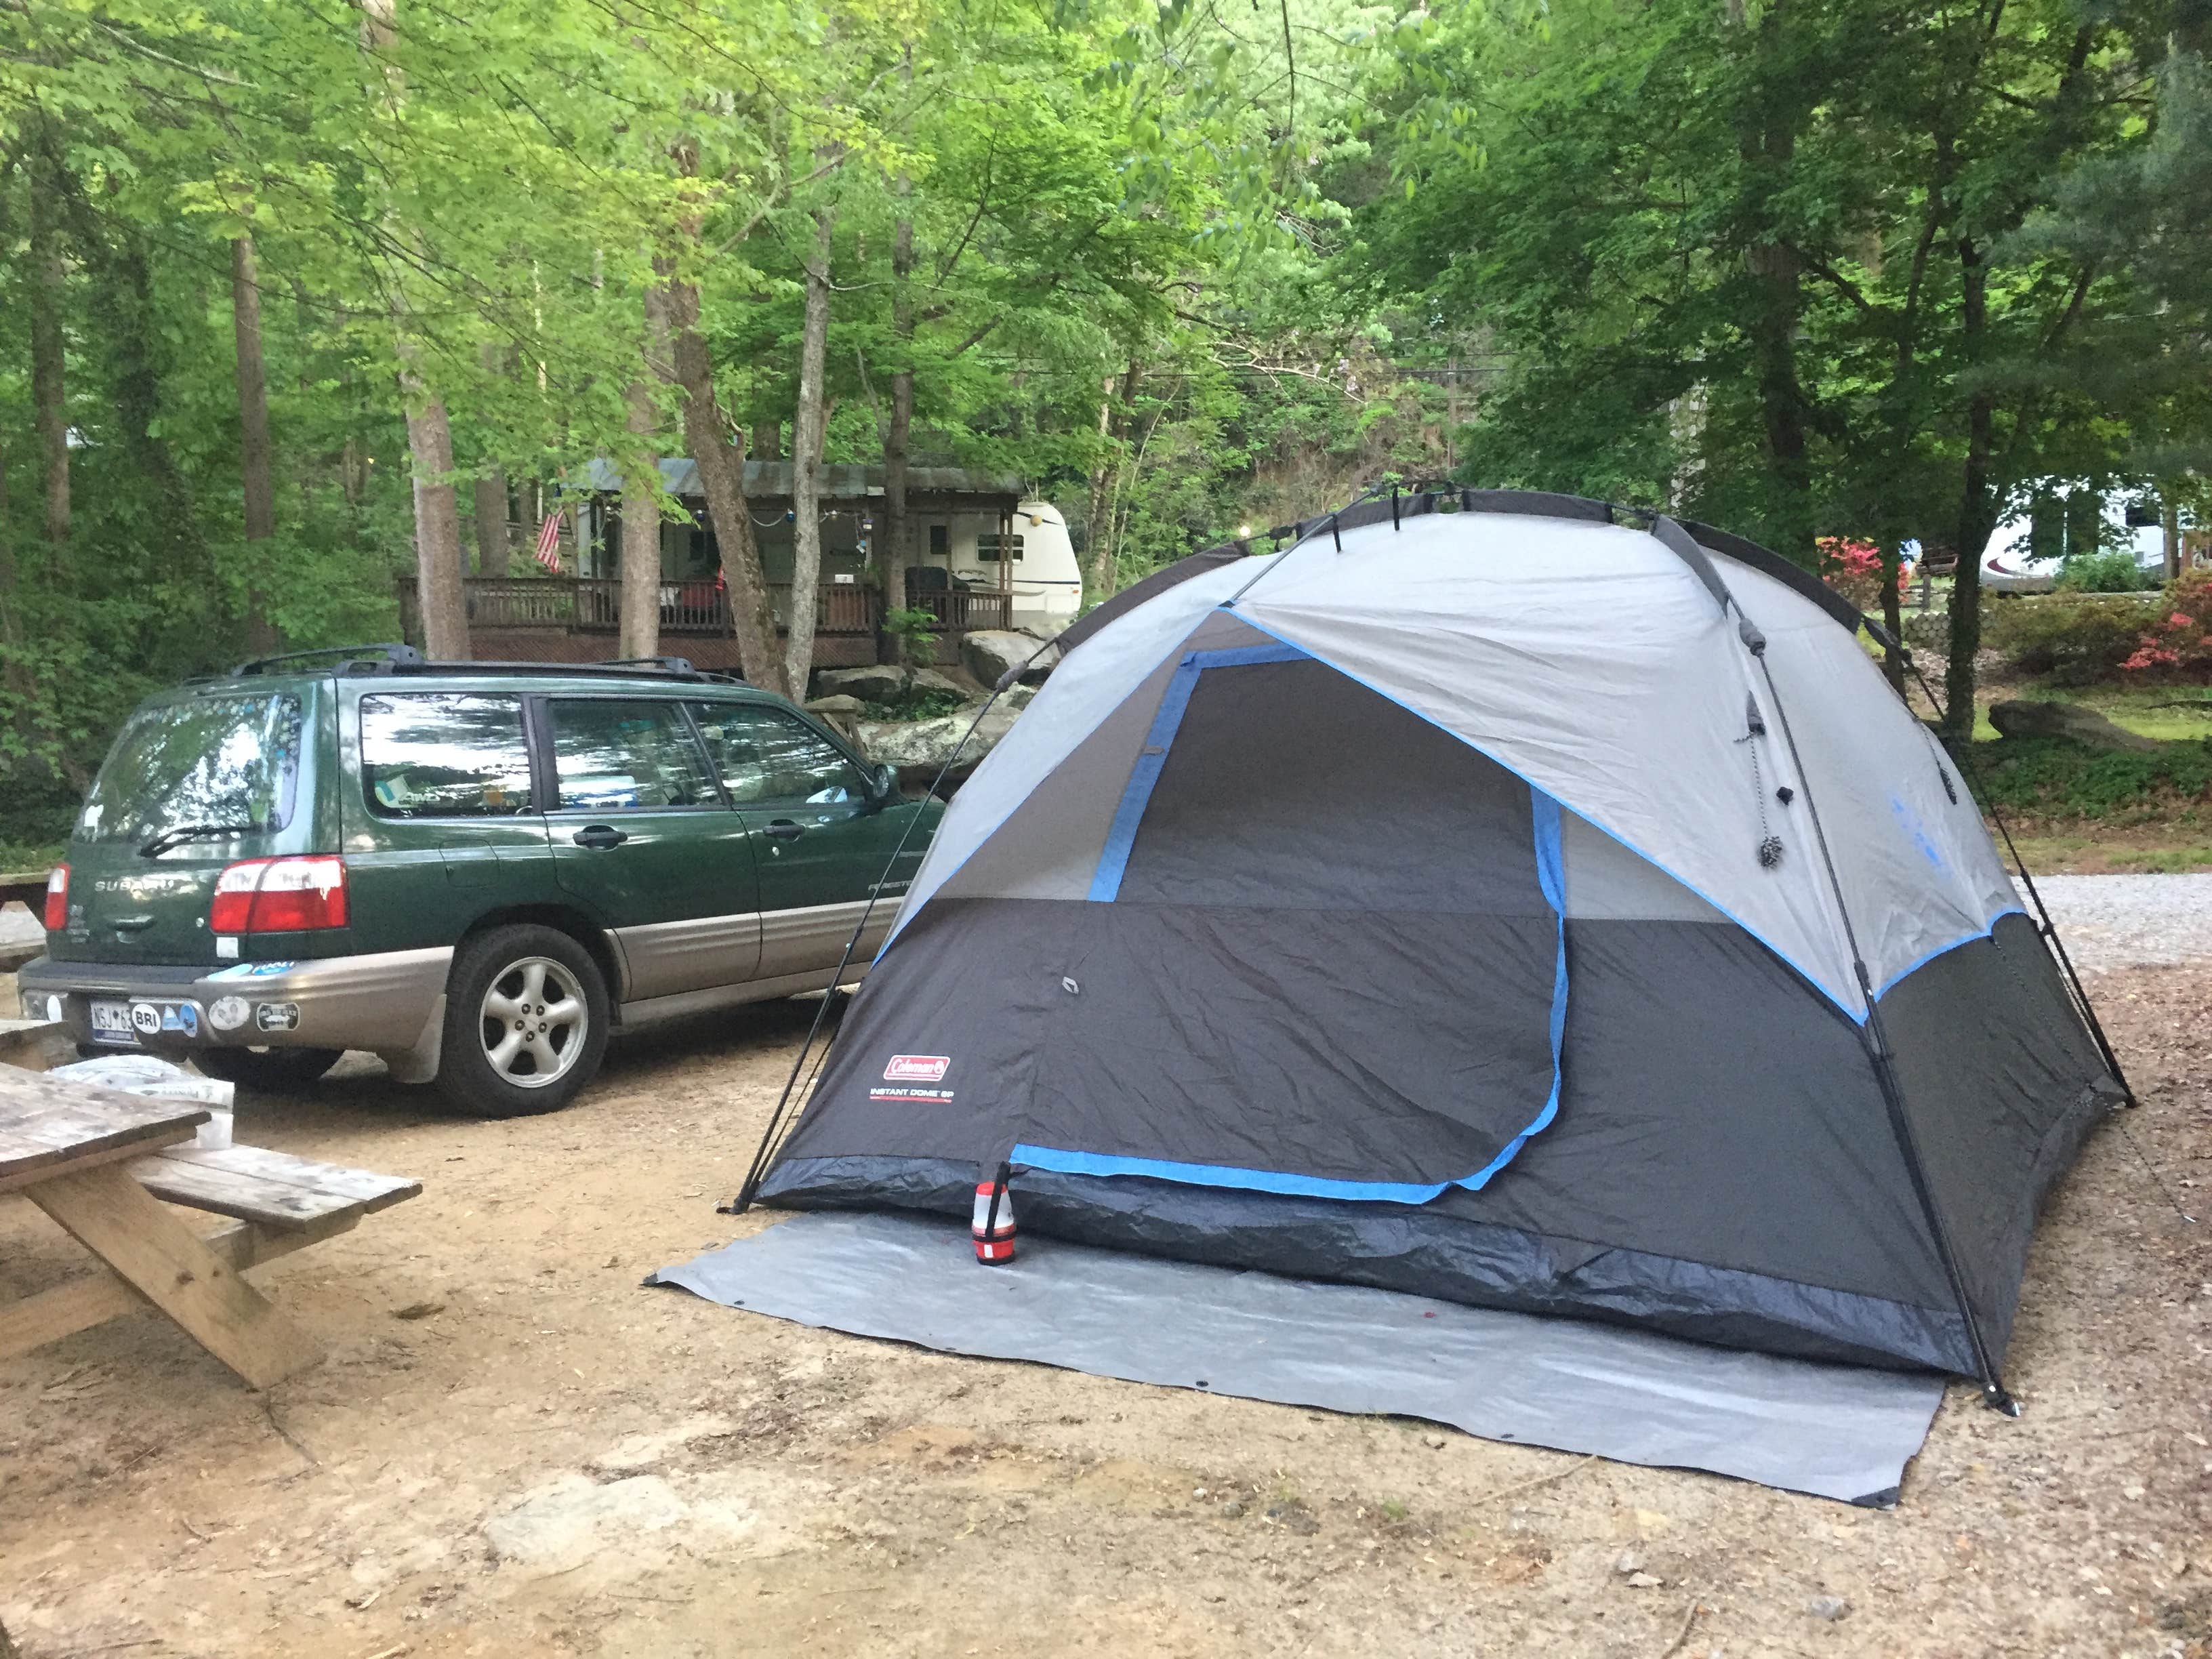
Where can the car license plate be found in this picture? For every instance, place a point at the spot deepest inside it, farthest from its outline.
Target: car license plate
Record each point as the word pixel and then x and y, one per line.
pixel 111 1023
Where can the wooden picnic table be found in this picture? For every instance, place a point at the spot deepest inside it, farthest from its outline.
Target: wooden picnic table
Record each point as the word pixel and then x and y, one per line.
pixel 24 887
pixel 98 1160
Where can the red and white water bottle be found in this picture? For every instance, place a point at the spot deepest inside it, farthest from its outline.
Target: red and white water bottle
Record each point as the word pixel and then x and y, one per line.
pixel 993 1226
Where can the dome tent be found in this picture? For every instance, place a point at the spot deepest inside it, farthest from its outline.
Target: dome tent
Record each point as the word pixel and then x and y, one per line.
pixel 1510 904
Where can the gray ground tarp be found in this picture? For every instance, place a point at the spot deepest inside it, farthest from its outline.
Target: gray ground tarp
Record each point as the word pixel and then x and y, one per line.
pixel 1835 1431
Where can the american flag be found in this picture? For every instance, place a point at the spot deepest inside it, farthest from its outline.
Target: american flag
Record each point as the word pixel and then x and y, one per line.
pixel 548 543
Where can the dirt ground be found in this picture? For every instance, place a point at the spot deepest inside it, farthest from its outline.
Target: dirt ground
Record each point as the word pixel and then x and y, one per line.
pixel 513 1449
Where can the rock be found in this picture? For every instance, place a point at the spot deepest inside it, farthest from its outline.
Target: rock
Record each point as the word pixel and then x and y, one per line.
pixel 838 712
pixel 1628 1561
pixel 873 683
pixel 927 680
pixel 919 749
pixel 1017 697
pixel 988 653
pixel 2071 720
pixel 1233 1510
pixel 1830 1608
pixel 1645 1581
pixel 566 1523
pixel 1434 1441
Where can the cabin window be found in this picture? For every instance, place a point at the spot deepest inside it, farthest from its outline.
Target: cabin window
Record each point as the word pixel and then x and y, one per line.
pixel 990 548
pixel 940 541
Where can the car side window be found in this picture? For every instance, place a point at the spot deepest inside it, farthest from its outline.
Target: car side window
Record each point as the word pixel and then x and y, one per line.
pixel 765 755
pixel 444 755
pixel 617 755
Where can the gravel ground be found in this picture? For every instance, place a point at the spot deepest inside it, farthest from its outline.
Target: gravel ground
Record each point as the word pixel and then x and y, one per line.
pixel 2131 921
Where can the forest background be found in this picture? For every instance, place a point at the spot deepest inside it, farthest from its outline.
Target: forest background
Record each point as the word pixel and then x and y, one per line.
pixel 297 301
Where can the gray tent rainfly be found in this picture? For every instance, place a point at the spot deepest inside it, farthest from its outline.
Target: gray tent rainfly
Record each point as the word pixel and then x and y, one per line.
pixel 1509 904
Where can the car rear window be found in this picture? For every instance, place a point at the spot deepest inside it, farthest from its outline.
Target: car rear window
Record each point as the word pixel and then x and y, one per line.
pixel 227 761
pixel 444 755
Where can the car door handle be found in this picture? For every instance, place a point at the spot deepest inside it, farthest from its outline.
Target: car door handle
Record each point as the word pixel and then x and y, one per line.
pixel 784 830
pixel 131 924
pixel 600 834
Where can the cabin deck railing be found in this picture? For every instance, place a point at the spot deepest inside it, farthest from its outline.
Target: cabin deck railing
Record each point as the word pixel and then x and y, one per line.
pixel 592 604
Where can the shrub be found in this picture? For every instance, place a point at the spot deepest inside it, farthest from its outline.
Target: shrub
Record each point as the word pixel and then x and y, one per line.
pixel 1853 568
pixel 2074 639
pixel 2055 778
pixel 915 629
pixel 2115 572
pixel 2178 645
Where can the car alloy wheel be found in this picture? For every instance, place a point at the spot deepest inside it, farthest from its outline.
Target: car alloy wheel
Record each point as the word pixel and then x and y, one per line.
pixel 534 1022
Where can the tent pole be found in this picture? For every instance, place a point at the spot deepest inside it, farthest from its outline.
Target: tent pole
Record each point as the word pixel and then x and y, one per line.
pixel 2049 929
pixel 757 1171
pixel 1994 1392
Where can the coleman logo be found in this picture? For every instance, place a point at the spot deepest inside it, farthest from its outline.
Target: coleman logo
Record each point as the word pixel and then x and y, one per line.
pixel 916 1068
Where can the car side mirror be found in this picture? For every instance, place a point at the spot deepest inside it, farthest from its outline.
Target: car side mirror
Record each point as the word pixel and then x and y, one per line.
pixel 883 785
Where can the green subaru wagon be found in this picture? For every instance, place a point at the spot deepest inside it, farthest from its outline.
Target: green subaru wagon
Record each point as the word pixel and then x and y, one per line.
pixel 476 871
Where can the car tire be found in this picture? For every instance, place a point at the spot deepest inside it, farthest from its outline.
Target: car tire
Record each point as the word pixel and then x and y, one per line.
pixel 526 1022
pixel 275 1070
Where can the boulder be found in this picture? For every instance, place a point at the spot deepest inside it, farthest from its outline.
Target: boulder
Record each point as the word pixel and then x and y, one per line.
pixel 839 711
pixel 988 653
pixel 919 749
pixel 873 683
pixel 926 680
pixel 2071 720
pixel 880 683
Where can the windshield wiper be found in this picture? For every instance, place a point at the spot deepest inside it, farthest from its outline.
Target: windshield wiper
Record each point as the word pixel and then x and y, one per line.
pixel 184 832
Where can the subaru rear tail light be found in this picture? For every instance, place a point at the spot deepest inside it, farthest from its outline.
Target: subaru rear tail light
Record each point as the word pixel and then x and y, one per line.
pixel 56 916
pixel 279 895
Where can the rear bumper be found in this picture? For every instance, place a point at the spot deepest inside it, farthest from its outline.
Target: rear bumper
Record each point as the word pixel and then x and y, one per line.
pixel 381 1002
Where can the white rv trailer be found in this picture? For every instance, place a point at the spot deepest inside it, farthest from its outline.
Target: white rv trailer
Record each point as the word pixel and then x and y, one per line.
pixel 1028 555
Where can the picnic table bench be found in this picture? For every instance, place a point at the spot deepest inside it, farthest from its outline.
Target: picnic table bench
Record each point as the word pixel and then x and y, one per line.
pixel 97 1160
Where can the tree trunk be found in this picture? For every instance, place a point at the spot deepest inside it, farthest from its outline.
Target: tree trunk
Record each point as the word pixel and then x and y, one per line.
pixel 1977 505
pixel 437 521
pixel 898 520
pixel 256 465
pixel 722 476
pixel 1096 539
pixel 1893 614
pixel 2169 524
pixel 48 383
pixel 1101 583
pixel 641 511
pixel 493 546
pixel 438 562
pixel 807 427
pixel 1768 143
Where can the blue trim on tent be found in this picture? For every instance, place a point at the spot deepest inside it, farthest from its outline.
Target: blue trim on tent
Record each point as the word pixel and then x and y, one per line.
pixel 1922 960
pixel 1799 968
pixel 1551 877
pixel 1145 776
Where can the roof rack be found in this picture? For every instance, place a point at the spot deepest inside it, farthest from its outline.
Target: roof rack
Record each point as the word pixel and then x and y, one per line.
pixel 633 669
pixel 389 654
pixel 395 657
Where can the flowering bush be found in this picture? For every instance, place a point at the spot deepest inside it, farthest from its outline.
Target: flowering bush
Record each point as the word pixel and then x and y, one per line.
pixel 1853 568
pixel 2178 645
pixel 2072 639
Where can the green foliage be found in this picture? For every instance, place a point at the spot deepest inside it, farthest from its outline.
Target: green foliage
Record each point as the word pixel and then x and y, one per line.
pixel 2113 572
pixel 2048 778
pixel 2070 639
pixel 920 706
pixel 915 629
